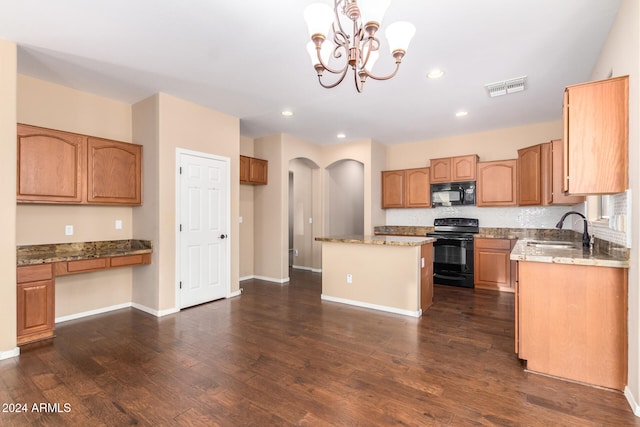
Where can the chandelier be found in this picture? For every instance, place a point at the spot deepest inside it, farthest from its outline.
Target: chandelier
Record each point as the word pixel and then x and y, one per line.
pixel 358 50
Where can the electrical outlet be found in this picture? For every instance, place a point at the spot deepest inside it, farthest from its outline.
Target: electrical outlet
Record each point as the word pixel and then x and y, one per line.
pixel 295 252
pixel 68 230
pixel 349 278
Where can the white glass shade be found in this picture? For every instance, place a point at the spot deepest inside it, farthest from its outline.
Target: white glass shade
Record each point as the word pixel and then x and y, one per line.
pixel 399 34
pixel 319 17
pixel 373 57
pixel 325 52
pixel 373 10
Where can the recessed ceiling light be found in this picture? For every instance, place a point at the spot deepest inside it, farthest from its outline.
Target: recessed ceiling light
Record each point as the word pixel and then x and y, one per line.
pixel 341 135
pixel 287 113
pixel 435 73
pixel 461 113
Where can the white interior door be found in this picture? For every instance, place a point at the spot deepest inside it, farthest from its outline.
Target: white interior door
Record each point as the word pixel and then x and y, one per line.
pixel 203 204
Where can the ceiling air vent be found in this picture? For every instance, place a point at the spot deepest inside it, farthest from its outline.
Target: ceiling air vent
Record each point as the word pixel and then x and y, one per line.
pixel 505 87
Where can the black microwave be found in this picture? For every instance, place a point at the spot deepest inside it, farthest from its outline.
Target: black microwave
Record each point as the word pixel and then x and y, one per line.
pixel 453 193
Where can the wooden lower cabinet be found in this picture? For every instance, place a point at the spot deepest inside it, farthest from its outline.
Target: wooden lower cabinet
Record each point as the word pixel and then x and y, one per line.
pixel 36 303
pixel 492 266
pixel 572 322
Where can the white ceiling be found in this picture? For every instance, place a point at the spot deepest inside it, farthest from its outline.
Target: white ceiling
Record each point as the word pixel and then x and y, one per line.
pixel 248 59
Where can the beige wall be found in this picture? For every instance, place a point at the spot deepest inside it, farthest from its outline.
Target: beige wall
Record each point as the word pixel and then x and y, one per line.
pixel 373 282
pixel 498 144
pixel 246 213
pixel 8 67
pixel 621 56
pixel 53 106
pixel 189 126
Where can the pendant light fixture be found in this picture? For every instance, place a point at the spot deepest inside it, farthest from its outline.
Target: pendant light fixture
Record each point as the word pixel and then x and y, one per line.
pixel 358 49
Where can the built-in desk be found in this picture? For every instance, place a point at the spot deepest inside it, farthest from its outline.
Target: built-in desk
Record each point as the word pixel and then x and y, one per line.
pixel 38 266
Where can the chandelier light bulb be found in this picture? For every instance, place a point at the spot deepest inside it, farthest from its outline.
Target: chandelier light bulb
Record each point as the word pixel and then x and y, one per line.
pixel 325 52
pixel 373 10
pixel 399 35
pixel 319 17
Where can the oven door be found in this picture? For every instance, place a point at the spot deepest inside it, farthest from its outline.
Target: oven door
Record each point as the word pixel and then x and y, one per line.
pixel 453 262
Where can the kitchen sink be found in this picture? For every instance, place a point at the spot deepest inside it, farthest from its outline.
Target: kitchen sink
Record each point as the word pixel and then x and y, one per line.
pixel 552 244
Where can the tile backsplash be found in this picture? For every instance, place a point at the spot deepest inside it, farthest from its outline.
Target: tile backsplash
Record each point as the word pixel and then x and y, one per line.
pixel 517 217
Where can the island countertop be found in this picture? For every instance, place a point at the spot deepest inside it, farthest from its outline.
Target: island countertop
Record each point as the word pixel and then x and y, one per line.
pixel 56 252
pixel 599 256
pixel 379 240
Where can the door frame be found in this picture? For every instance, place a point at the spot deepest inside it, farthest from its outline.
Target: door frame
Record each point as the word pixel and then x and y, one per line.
pixel 227 161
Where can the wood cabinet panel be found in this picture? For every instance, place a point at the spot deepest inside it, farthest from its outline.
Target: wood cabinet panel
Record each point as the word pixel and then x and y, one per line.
pixel 492 264
pixel 463 168
pixel 406 188
pixel 496 183
pixel 253 171
pixel 114 172
pixel 573 322
pixel 426 276
pixel 62 167
pixel 87 265
pixel 453 169
pixel 35 303
pixel 440 170
pixel 530 176
pixel 417 188
pixel 50 166
pixel 128 260
pixel 393 189
pixel 596 137
pixel 558 196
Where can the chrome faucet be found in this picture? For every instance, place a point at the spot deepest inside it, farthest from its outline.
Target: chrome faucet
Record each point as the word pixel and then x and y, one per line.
pixel 586 240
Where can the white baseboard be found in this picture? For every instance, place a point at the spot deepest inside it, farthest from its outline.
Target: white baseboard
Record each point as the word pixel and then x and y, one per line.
pixel 10 353
pixel 154 312
pixel 271 279
pixel 235 293
pixel 632 401
pixel 303 267
pixel 92 312
pixel 246 278
pixel 372 306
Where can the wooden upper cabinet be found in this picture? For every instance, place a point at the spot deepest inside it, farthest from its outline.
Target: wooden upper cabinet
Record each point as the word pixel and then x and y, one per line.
pixel 440 170
pixel 393 189
pixel 453 169
pixel 114 172
pixel 558 196
pixel 253 171
pixel 50 166
pixel 530 186
pixel 406 188
pixel 596 137
pixel 496 183
pixel 417 188
pixel 67 168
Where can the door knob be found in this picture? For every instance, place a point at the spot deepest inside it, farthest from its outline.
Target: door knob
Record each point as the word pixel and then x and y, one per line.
pixel 223 236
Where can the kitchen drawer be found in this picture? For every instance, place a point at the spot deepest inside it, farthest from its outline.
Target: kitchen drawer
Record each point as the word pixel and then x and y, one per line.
pixel 498 244
pixel 123 261
pixel 32 273
pixel 87 265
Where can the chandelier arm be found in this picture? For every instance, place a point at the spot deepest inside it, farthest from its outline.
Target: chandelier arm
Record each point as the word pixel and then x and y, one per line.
pixel 373 45
pixel 358 80
pixel 336 54
pixel 374 77
pixel 336 83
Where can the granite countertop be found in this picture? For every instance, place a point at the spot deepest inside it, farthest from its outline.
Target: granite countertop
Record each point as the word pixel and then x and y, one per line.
pixel 56 252
pixel 599 256
pixel 379 240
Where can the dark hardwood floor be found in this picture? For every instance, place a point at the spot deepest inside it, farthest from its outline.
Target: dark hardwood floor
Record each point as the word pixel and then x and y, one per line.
pixel 278 355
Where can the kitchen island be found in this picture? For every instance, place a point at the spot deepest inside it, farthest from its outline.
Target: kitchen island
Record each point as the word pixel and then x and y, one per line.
pixel 388 273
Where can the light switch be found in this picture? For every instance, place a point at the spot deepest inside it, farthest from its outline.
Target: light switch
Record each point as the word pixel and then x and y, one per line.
pixel 118 224
pixel 68 230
